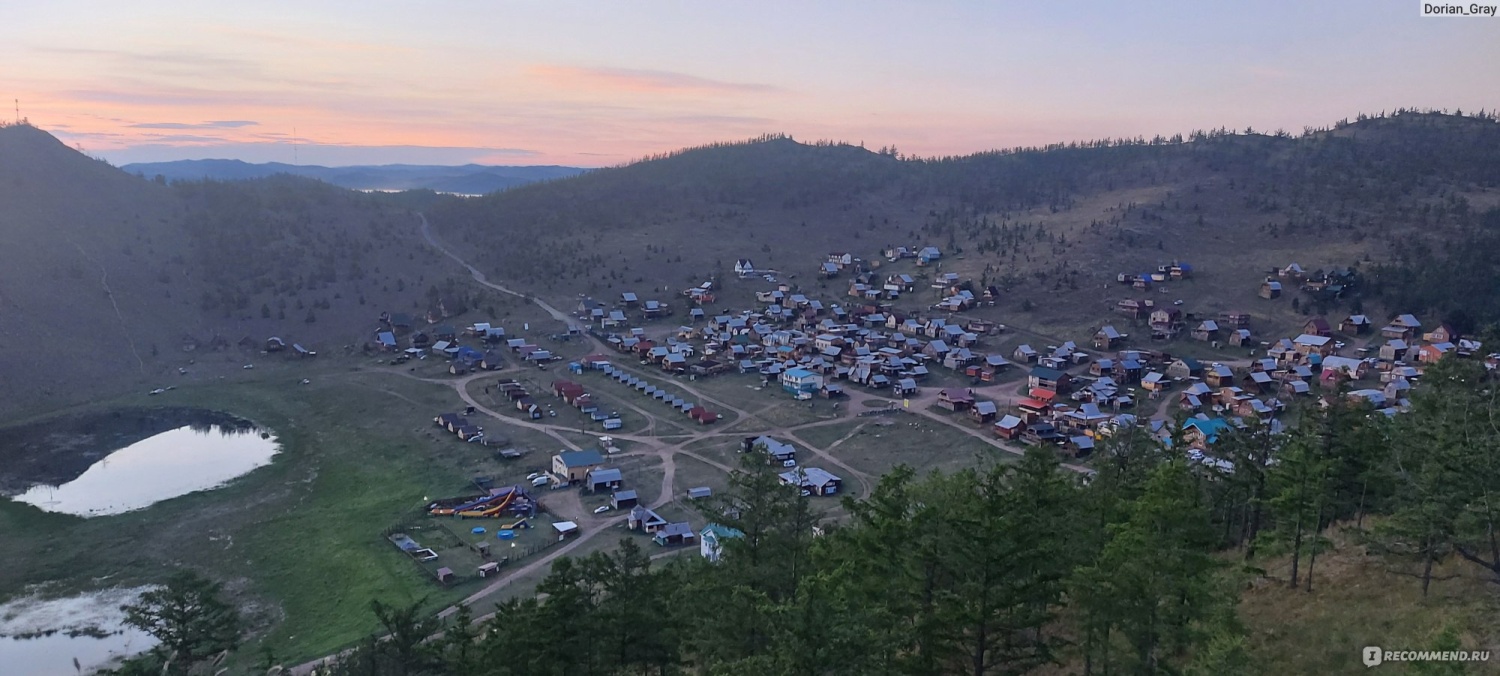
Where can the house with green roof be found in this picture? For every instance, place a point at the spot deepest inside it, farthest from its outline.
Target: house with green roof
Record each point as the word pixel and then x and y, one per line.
pixel 711 540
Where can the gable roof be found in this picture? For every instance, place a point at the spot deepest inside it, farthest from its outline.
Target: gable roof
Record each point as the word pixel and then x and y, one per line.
pixel 720 531
pixel 581 458
pixel 1045 373
pixel 600 476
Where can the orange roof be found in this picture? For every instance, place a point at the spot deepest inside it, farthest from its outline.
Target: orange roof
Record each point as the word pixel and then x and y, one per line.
pixel 1044 395
pixel 1033 404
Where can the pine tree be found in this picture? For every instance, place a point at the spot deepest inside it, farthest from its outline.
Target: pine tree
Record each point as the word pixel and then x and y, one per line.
pixel 1153 581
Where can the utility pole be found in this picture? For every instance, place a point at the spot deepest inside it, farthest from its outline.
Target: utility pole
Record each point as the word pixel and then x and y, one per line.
pixel 18 111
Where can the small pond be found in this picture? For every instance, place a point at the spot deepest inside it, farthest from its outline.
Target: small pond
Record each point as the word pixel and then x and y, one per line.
pixel 43 637
pixel 112 473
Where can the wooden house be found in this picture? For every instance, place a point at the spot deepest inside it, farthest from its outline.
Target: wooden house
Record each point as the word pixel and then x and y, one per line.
pixel 1318 326
pixel 1132 308
pixel 983 412
pixel 956 398
pixel 1184 368
pixel 1218 375
pixel 1442 334
pixel 1403 327
pixel 1008 427
pixel 1307 344
pixel 1107 338
pixel 1356 325
pixel 1050 379
pixel 1270 289
pixel 813 480
pixel 573 466
pixel 1234 320
pixel 1207 330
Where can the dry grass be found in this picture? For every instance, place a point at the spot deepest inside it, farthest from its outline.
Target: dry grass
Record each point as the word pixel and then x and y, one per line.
pixel 1358 601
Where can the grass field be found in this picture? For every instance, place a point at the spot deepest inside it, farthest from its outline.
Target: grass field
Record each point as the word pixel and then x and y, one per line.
pixel 299 541
pixel 916 442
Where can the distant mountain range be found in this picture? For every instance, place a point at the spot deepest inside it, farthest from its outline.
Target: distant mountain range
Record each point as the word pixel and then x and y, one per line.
pixel 469 179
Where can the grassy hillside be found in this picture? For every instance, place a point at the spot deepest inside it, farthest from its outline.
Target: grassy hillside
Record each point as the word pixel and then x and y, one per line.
pixel 110 282
pixel 1052 226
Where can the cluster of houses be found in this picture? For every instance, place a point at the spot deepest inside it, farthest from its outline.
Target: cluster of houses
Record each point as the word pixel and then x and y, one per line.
pixel 585 469
pixel 838 262
pixel 1170 322
pixel 1329 284
pixel 956 295
pixel 1168 272
pixel 1074 411
pixel 443 341
pixel 810 480
pixel 699 414
pixel 518 397
pixel 606 317
pixel 459 425
pixel 808 347
pixel 575 396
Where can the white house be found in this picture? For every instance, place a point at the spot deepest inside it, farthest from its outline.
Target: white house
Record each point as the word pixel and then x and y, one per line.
pixel 711 540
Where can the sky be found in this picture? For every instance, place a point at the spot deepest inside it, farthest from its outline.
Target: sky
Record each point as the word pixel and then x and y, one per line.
pixel 601 83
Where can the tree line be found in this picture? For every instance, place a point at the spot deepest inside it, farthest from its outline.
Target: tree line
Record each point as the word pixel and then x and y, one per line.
pixel 1005 569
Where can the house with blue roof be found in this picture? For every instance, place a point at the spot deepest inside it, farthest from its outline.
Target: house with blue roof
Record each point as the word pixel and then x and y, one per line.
pixel 1204 432
pixel 800 382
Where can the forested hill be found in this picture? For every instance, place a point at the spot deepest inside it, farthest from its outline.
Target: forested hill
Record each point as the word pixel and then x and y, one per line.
pixel 469 179
pixel 1046 219
pixel 109 281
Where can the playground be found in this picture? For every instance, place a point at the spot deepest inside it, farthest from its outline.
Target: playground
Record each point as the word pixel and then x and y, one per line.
pixel 460 540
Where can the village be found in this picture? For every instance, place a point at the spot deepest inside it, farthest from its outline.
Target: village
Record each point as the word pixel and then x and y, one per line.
pixel 635 388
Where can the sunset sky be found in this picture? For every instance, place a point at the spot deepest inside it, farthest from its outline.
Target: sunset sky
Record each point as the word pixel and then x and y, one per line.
pixel 599 83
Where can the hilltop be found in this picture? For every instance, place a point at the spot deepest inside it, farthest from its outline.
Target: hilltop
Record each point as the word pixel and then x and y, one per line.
pixel 469 179
pixel 109 281
pixel 1051 227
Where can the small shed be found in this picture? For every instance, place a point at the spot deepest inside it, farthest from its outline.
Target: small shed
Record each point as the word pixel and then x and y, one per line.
pixel 624 499
pixel 445 575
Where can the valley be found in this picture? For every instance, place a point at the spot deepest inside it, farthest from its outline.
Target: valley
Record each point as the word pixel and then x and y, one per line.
pixel 871 312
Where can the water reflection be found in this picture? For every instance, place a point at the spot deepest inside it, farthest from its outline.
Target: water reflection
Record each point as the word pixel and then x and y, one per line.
pixel 43 637
pixel 177 462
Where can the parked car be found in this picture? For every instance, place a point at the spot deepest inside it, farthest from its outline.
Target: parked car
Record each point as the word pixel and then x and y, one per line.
pixel 539 481
pixel 532 476
pixel 601 509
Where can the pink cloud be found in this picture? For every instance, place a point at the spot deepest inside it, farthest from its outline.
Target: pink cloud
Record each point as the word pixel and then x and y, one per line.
pixel 636 80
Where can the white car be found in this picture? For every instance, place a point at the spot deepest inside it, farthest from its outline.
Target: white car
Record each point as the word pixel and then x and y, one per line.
pixel 539 481
pixel 247 367
pixel 306 381
pixel 156 391
pixel 532 476
pixel 601 509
